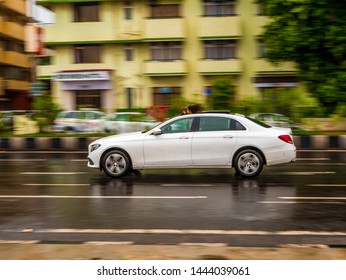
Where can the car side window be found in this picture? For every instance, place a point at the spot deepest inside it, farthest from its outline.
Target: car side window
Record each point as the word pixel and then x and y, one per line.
pixel 179 126
pixel 235 125
pixel 214 124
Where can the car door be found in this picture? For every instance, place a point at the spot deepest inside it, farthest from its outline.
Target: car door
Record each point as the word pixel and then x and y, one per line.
pixel 172 147
pixel 214 141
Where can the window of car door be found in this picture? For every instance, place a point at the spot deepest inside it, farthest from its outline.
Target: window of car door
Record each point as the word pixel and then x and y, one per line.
pixel 179 126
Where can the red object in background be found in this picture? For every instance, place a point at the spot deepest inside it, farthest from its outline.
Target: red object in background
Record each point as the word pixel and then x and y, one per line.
pixel 39 40
pixel 159 112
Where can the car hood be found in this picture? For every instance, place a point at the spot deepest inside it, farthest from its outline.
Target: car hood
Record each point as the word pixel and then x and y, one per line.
pixel 120 137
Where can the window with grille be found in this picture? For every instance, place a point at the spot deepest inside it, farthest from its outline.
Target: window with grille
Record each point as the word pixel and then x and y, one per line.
pixel 165 51
pixel 128 53
pixel 86 12
pixel 87 54
pixel 165 11
pixel 219 8
pixel 128 10
pixel 219 49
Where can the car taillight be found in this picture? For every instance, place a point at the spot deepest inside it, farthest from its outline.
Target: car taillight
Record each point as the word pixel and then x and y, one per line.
pixel 286 138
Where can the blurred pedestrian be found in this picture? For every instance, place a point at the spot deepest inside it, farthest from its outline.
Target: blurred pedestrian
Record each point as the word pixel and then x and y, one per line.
pixel 192 109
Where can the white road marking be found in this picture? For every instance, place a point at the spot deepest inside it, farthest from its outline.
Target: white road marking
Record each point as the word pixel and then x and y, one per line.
pixel 188 231
pixel 51 173
pixel 301 202
pixel 307 173
pixel 109 242
pixel 19 241
pixel 203 244
pixel 319 151
pixel 185 185
pixel 313 197
pixel 55 185
pixel 100 196
pixel 320 164
pixel 325 185
pixel 312 159
pixel 22 159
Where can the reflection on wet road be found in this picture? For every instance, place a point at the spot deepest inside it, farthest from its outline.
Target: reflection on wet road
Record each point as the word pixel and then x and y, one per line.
pixel 54 196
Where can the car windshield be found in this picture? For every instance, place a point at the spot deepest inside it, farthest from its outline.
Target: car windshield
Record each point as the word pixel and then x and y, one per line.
pixel 258 122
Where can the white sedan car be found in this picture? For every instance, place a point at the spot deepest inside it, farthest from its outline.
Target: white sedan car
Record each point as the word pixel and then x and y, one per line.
pixel 206 140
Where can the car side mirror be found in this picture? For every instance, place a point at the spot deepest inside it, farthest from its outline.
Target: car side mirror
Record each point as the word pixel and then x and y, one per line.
pixel 157 132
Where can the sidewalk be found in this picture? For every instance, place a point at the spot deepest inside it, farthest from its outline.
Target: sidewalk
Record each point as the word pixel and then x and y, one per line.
pixel 81 143
pixel 95 251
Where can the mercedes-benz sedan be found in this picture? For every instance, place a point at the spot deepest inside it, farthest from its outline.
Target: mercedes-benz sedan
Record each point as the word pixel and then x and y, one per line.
pixel 206 140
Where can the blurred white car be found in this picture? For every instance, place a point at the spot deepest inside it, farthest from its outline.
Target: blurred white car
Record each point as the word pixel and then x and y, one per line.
pixel 79 121
pixel 207 140
pixel 128 122
pixel 274 119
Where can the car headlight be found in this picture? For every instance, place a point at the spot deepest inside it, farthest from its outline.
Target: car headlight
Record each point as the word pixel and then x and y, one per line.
pixel 94 147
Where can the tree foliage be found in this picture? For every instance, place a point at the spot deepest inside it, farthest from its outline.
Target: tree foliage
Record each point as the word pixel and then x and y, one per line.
pixel 46 109
pixel 222 93
pixel 311 33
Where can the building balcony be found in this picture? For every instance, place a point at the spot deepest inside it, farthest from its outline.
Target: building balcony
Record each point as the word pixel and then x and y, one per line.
pixel 15 59
pixel 2 84
pixel 19 6
pixel 78 32
pixel 165 68
pixel 219 27
pixel 219 67
pixel 13 30
pixel 16 85
pixel 164 29
pixel 260 22
pixel 264 66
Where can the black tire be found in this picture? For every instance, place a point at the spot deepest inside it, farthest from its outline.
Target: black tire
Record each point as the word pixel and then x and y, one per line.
pixel 115 163
pixel 248 163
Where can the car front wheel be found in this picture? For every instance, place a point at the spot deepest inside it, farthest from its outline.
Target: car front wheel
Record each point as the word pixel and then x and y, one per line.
pixel 248 163
pixel 115 163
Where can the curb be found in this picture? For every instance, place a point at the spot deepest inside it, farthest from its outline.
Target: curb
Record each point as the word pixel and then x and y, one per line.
pixel 81 143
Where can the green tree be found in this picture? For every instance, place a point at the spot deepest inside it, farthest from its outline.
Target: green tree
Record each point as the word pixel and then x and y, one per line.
pixel 311 33
pixel 46 109
pixel 222 93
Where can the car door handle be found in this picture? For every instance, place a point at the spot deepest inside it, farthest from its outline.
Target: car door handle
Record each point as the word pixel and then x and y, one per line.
pixel 228 136
pixel 184 137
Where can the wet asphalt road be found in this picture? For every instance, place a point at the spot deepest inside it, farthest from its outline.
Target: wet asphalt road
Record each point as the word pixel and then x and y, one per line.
pixel 55 198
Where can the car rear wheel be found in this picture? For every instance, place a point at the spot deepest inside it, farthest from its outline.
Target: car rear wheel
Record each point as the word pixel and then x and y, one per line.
pixel 248 163
pixel 115 163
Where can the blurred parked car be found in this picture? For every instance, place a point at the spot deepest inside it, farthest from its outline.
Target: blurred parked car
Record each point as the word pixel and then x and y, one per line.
pixel 79 121
pixel 274 119
pixel 7 118
pixel 128 122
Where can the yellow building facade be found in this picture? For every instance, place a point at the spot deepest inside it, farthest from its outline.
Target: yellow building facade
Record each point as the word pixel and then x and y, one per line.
pixel 112 54
pixel 15 69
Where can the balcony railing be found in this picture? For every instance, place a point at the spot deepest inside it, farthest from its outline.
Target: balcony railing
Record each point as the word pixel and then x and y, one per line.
pixel 264 66
pixel 16 85
pixel 220 27
pixel 16 59
pixel 260 22
pixel 18 6
pixel 165 68
pixel 12 29
pixel 214 67
pixel 163 29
